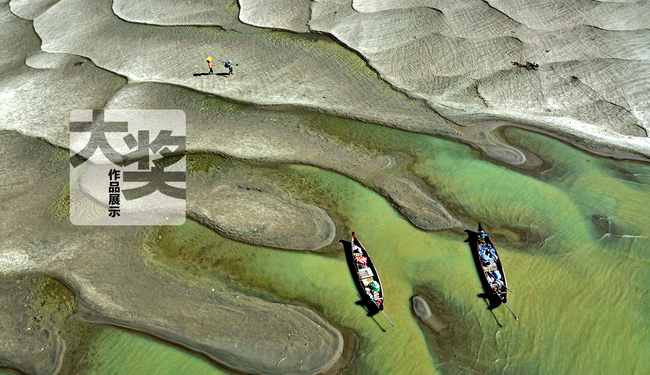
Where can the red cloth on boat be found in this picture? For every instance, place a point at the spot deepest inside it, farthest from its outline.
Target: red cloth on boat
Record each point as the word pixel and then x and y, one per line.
pixel 362 260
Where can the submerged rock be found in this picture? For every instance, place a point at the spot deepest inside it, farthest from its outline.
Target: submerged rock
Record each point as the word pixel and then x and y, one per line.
pixel 421 310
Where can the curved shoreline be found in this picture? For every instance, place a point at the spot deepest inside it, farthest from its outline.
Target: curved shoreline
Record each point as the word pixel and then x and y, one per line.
pixel 348 343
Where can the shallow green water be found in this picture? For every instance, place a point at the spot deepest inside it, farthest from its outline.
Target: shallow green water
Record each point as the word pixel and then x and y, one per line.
pixel 115 351
pixel 581 278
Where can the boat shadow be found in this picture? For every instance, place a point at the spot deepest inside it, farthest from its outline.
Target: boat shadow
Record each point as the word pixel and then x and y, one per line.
pixel 492 300
pixel 370 306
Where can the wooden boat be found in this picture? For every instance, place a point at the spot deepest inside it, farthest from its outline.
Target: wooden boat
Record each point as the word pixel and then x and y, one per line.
pixel 490 263
pixel 366 277
pixel 490 269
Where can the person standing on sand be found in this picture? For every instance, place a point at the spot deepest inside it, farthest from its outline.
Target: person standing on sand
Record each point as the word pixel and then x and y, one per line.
pixel 229 64
pixel 210 64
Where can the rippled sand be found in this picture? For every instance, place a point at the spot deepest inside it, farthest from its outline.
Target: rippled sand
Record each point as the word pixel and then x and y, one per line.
pixel 577 70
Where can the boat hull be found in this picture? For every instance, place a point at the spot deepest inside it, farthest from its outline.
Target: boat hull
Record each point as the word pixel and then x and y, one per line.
pixel 490 272
pixel 373 304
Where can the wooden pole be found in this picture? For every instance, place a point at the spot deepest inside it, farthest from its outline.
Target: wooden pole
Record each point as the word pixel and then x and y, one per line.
pixel 389 321
pixel 504 302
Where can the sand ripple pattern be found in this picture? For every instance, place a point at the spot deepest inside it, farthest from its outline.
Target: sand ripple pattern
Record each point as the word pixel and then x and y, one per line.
pixel 591 84
pixel 275 68
pixel 594 60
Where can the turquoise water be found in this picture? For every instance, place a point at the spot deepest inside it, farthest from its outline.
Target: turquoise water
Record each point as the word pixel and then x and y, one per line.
pixel 573 240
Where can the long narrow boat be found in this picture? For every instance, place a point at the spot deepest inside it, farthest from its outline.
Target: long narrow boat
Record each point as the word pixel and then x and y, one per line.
pixel 490 264
pixel 367 275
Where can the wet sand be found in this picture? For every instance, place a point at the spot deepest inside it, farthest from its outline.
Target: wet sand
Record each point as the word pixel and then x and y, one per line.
pixel 272 135
pixel 104 268
pixel 259 215
pixel 31 340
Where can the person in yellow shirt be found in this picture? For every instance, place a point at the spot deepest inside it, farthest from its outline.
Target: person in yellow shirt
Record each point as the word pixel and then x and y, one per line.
pixel 210 65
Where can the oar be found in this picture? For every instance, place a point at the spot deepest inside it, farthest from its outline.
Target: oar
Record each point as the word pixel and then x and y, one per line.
pixel 389 321
pixel 382 311
pixel 504 302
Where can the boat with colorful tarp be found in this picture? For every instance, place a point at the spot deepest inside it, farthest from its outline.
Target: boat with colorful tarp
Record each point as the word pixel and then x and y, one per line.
pixel 366 276
pixel 490 268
